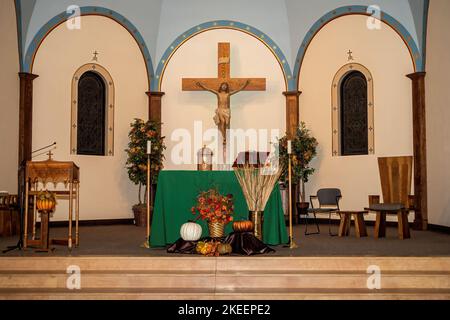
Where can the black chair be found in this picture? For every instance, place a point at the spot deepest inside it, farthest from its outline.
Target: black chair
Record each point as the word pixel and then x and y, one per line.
pixel 328 203
pixel 302 211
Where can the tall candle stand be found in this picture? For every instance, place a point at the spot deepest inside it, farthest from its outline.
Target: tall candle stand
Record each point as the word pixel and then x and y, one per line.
pixel 292 244
pixel 146 244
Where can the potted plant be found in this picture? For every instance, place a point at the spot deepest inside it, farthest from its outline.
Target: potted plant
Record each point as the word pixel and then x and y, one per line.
pixel 304 149
pixel 216 209
pixel 141 132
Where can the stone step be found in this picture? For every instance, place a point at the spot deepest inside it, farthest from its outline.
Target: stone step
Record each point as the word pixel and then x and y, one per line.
pixel 223 264
pixel 225 281
pixel 224 278
pixel 260 294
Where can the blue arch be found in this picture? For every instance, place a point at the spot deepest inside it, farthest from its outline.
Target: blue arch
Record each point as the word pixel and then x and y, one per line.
pixel 416 55
pixel 91 10
pixel 221 24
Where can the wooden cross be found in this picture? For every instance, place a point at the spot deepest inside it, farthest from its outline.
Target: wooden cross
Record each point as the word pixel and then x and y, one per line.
pixel 223 87
pixel 50 154
pixel 255 84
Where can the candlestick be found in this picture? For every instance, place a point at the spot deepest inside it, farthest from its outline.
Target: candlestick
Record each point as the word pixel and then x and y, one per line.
pixel 289 147
pixel 149 147
pixel 292 244
pixel 146 244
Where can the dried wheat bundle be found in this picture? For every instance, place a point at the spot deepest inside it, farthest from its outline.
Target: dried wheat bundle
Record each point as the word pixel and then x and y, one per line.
pixel 257 184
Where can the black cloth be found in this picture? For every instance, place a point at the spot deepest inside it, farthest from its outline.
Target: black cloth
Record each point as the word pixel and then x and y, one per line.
pixel 242 243
pixel 247 244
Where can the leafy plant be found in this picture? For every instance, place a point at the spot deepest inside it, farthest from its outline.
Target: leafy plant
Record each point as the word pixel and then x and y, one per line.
pixel 141 132
pixel 304 150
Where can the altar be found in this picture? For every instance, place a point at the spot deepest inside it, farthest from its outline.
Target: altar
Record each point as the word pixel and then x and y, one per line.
pixel 177 192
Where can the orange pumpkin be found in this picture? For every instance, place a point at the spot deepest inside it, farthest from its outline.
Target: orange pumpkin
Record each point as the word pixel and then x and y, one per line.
pixel 47 205
pixel 243 226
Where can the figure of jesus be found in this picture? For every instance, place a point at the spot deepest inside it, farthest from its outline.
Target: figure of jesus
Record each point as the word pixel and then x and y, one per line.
pixel 223 113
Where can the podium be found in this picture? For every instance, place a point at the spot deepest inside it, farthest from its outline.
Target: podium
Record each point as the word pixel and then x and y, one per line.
pixel 54 172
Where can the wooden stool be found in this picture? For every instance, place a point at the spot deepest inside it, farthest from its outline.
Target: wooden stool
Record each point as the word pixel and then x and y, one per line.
pixel 403 224
pixel 346 219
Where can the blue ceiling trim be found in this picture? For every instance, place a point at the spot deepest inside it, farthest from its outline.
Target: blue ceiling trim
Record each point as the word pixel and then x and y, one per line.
pixel 426 8
pixel 222 24
pixel 416 55
pixel 62 17
pixel 19 33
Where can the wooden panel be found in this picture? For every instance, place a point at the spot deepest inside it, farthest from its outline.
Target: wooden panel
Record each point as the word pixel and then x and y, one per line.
pixel 396 179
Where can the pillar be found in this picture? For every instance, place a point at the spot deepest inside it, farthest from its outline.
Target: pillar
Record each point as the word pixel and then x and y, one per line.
pixel 420 150
pixel 154 105
pixel 292 111
pixel 25 116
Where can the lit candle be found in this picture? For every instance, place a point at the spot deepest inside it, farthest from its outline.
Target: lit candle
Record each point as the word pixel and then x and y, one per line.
pixel 289 147
pixel 149 147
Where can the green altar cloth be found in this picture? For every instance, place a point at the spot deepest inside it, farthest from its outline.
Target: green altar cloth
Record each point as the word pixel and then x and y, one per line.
pixel 177 192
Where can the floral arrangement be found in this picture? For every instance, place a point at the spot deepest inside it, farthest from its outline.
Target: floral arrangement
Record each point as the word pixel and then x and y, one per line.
pixel 214 207
pixel 304 150
pixel 141 132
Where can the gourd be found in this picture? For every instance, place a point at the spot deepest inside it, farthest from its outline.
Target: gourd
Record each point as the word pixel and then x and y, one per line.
pixel 224 249
pixel 243 226
pixel 191 231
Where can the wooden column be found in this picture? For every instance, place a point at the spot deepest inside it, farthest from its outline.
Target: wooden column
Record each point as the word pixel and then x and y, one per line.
pixel 292 123
pixel 420 150
pixel 292 111
pixel 154 105
pixel 25 115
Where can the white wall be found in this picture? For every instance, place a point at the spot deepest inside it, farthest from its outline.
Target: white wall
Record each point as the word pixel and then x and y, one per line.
pixel 385 55
pixel 106 192
pixel 197 58
pixel 438 112
pixel 9 97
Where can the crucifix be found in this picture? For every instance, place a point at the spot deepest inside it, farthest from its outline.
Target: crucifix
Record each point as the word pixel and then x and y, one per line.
pixel 224 87
pixel 350 57
pixel 95 56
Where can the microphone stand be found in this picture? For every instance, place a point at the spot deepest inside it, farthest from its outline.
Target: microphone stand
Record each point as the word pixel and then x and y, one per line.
pixel 21 183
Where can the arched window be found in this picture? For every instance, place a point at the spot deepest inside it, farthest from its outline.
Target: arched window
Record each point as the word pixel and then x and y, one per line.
pixel 92 112
pixel 353 117
pixel 354 137
pixel 91 115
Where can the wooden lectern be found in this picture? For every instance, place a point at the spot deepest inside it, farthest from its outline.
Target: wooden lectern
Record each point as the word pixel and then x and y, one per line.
pixel 55 172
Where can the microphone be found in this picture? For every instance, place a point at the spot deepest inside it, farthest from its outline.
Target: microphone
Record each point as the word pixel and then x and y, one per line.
pixel 50 145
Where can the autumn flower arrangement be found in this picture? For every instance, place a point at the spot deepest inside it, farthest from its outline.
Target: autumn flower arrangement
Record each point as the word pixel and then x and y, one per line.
pixel 214 207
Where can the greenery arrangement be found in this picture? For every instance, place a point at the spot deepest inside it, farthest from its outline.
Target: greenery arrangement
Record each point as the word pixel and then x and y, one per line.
pixel 214 207
pixel 304 150
pixel 141 132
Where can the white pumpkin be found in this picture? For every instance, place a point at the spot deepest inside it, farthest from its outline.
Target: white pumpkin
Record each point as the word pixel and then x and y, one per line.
pixel 191 231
